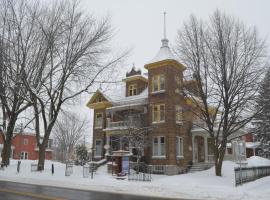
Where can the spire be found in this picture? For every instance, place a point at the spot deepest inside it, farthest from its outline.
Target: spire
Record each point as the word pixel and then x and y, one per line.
pixel 164 41
pixel 164 25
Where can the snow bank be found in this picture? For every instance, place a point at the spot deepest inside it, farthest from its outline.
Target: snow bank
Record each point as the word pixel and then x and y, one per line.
pixel 199 185
pixel 258 161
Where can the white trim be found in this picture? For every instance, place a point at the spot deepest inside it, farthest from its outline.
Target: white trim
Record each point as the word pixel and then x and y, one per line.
pixel 180 157
pixel 158 92
pixel 160 122
pixel 179 122
pixel 158 157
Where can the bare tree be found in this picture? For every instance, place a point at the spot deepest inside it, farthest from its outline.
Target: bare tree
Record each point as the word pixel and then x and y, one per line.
pixel 68 130
pixel 17 49
pixel 226 59
pixel 77 55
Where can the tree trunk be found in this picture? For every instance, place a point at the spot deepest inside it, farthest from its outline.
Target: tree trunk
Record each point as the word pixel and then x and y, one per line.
pixel 41 157
pixel 7 143
pixel 218 161
pixel 218 168
pixel 6 151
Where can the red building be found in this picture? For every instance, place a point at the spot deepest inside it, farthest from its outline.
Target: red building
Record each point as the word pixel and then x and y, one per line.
pixel 24 147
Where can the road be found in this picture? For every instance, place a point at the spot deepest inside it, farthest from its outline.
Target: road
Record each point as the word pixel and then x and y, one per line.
pixel 21 191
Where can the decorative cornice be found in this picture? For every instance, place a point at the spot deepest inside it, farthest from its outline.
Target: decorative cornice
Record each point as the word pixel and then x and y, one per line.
pixel 163 63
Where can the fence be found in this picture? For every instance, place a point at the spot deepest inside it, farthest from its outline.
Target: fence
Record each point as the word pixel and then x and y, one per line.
pixel 69 169
pixel 140 172
pixel 159 169
pixel 34 167
pixel 247 174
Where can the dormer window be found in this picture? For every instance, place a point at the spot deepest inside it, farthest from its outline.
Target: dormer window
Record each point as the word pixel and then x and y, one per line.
pixel 132 90
pixel 158 83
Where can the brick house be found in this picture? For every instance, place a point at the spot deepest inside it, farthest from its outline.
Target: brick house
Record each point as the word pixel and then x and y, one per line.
pixel 156 100
pixel 24 147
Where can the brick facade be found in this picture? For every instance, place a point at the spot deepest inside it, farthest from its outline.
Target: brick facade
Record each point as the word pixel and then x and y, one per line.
pixel 26 143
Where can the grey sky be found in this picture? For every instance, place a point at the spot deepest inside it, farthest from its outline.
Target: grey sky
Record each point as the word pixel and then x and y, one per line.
pixel 139 23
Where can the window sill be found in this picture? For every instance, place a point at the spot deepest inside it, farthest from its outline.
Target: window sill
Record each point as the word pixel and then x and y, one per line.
pixel 179 157
pixel 97 156
pixel 158 92
pixel 98 128
pixel 158 157
pixel 179 122
pixel 161 122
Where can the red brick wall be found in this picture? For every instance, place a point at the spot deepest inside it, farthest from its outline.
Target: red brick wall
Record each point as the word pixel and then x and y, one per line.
pixel 30 147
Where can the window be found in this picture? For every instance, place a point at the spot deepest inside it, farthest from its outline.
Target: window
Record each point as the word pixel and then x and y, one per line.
pixel 158 83
pixel 159 146
pixel 24 155
pixel 98 148
pixel 178 114
pixel 178 84
pixel 179 147
pixel 178 81
pixel 98 120
pixel 25 141
pixel 132 90
pixel 158 113
pixel 99 99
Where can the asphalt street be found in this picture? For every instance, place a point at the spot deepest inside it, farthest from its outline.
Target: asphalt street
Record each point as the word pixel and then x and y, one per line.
pixel 21 191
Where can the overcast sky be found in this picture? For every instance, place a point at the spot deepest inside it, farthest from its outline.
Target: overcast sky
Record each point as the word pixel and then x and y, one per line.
pixel 138 24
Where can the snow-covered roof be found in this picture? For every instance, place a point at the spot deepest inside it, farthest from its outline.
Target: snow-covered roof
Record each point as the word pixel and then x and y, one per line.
pixel 164 53
pixel 136 99
pixel 118 97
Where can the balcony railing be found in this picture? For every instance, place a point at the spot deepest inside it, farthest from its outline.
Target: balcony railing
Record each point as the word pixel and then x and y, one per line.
pixel 132 123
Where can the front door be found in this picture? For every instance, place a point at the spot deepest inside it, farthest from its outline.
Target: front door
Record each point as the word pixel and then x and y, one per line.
pixel 199 150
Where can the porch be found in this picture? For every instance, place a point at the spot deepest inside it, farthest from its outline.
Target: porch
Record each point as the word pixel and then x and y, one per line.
pixel 201 145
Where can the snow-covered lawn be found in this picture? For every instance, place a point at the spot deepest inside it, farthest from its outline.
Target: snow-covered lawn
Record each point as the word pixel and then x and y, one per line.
pixel 201 185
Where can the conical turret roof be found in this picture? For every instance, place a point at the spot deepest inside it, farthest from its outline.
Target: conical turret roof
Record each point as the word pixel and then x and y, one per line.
pixel 164 53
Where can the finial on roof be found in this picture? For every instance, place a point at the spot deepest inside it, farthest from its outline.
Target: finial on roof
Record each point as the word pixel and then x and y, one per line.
pixel 164 41
pixel 164 25
pixel 133 71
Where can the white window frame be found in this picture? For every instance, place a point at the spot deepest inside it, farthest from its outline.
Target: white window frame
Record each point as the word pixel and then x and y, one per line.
pixel 159 154
pixel 158 113
pixel 25 141
pixel 179 147
pixel 24 155
pixel 98 155
pixel 97 125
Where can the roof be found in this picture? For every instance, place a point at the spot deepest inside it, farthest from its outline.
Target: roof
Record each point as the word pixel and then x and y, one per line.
pixel 117 97
pixel 164 53
pixel 164 56
pixel 136 99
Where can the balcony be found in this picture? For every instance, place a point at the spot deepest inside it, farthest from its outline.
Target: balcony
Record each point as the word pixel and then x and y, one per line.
pixel 123 125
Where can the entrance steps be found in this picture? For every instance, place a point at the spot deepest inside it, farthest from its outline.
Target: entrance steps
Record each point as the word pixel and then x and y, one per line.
pixel 196 167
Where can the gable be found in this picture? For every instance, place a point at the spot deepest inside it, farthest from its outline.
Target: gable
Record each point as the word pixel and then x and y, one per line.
pixel 98 100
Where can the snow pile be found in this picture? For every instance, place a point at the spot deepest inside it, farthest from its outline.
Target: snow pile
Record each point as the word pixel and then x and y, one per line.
pixel 199 185
pixel 258 161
